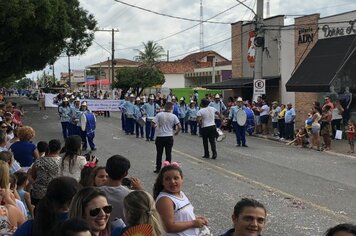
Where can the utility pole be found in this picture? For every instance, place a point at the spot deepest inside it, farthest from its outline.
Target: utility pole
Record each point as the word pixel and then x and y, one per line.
pixel 112 50
pixel 259 43
pixel 69 72
pixel 201 27
pixel 112 55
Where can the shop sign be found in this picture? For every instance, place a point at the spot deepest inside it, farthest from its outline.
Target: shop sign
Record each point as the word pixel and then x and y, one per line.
pixel 330 31
pixel 306 35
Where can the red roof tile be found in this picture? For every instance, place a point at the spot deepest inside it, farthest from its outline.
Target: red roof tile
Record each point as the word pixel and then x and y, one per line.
pixel 175 67
pixel 196 57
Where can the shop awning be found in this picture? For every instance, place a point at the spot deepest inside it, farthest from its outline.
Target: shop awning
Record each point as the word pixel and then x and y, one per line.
pixel 242 82
pixel 99 82
pixel 319 68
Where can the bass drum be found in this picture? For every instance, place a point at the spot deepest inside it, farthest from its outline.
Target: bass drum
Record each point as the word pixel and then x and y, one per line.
pixel 250 121
pixel 241 117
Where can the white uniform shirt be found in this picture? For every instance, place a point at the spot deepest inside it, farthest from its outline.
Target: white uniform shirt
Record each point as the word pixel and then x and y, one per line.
pixel 208 116
pixel 165 122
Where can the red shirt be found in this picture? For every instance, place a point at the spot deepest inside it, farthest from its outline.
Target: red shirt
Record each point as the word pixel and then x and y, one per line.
pixel 350 131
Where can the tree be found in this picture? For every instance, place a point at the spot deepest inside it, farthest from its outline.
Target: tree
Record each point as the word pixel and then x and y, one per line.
pixel 24 83
pixel 35 32
pixel 137 78
pixel 151 53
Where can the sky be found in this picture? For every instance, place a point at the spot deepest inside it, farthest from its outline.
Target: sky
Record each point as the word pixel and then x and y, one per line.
pixel 137 26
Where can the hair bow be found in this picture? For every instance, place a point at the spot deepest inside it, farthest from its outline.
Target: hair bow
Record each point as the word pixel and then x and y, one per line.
pixel 90 165
pixel 167 163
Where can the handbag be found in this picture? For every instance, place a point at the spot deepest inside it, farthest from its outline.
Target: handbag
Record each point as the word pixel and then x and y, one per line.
pixel 338 134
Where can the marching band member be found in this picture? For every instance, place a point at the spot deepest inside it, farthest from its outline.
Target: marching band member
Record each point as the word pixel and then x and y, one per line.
pixel 129 110
pixel 240 131
pixel 192 111
pixel 182 115
pixel 126 98
pixel 75 114
pixel 150 109
pixel 71 101
pixel 175 106
pixel 64 112
pixel 88 126
pixel 138 115
pixel 220 107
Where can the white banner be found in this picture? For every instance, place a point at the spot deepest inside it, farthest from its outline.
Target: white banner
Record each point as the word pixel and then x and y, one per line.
pixel 51 100
pixel 93 104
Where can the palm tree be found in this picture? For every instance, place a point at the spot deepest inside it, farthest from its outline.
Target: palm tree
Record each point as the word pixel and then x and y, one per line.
pixel 151 53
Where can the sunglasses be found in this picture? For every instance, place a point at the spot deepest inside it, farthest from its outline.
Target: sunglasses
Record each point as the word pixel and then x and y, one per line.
pixel 95 211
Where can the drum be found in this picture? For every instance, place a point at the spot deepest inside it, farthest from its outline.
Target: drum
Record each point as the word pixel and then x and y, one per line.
pixel 250 121
pixel 241 117
pixel 141 121
pixel 221 134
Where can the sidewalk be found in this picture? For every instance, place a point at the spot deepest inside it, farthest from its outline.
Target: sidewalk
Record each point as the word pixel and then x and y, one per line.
pixel 338 147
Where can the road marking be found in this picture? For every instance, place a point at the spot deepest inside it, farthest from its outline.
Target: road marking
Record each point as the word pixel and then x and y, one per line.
pixel 267 187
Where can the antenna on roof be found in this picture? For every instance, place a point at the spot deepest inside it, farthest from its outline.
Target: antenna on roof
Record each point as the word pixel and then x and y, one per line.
pixel 201 27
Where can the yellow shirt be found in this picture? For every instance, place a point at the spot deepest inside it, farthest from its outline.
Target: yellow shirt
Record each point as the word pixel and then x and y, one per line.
pixel 282 113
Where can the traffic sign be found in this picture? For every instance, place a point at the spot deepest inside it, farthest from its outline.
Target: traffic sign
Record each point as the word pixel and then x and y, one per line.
pixel 259 86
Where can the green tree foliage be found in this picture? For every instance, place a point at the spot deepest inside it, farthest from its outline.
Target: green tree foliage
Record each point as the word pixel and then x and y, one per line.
pixel 137 78
pixel 151 53
pixel 24 83
pixel 33 33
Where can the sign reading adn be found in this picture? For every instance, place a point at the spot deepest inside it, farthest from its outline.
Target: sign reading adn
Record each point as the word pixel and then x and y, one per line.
pixel 259 86
pixel 306 35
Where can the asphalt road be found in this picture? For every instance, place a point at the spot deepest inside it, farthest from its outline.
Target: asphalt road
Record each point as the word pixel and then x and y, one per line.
pixel 305 191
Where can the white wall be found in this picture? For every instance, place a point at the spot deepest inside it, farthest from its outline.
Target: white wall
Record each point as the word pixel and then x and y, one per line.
pixel 287 62
pixel 174 81
pixel 341 29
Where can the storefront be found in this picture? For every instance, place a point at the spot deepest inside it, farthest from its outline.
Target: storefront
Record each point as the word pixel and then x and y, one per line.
pixel 325 63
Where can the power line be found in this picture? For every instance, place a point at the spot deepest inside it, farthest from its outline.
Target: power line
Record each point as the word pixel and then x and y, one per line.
pixel 182 31
pixel 170 16
pixel 243 4
pixel 221 41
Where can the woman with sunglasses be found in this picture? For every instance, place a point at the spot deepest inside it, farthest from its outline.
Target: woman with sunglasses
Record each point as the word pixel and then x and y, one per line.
pixel 91 204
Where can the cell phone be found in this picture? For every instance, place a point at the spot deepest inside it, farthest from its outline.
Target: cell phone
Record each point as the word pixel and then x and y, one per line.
pixel 126 182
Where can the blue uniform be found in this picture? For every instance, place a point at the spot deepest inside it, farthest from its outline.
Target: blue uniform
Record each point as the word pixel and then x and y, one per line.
pixel 182 117
pixel 74 125
pixel 138 115
pixel 88 126
pixel 129 111
pixel 192 118
pixel 64 112
pixel 240 131
pixel 150 109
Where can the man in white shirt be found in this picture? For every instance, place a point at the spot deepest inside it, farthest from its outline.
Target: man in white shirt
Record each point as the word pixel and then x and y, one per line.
pixel 206 118
pixel 164 123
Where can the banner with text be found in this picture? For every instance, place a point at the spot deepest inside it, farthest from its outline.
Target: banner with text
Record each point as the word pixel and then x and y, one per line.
pixel 93 104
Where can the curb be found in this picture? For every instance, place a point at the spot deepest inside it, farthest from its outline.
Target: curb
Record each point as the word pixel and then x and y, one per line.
pixel 285 141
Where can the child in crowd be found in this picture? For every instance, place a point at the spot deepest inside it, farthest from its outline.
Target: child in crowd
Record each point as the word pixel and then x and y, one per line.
pixel 8 157
pixel 22 182
pixel 141 216
pixel 19 203
pixel 172 204
pixel 351 135
pixel 302 137
pixel 42 148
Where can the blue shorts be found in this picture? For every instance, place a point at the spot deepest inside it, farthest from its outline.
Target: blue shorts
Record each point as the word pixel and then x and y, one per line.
pixel 264 119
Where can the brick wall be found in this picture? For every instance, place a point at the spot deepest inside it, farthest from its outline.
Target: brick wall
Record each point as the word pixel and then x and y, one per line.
pixel 306 25
pixel 236 47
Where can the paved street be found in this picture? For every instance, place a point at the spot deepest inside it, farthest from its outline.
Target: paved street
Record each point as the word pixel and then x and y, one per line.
pixel 304 191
